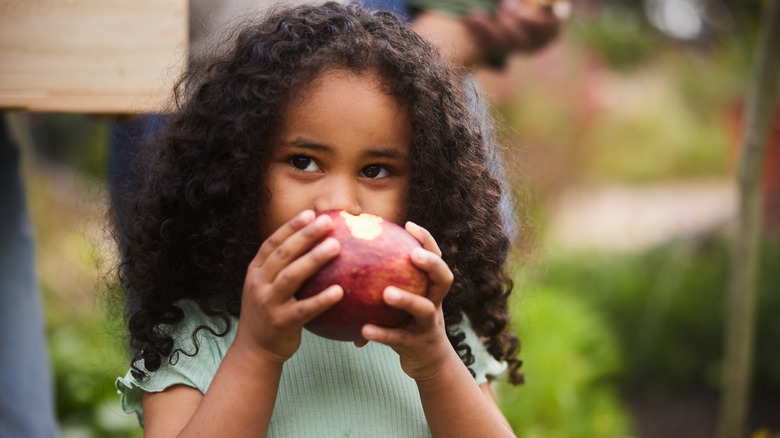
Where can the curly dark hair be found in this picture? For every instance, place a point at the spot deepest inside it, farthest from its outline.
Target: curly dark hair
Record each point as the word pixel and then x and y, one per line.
pixel 188 228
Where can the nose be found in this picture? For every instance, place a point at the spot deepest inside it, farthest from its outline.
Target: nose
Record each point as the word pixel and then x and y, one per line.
pixel 339 193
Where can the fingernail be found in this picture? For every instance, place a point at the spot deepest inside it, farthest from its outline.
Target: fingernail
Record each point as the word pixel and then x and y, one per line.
pixel 419 255
pixel 392 294
pixel 330 245
pixel 305 217
pixel 368 331
pixel 334 291
pixel 322 221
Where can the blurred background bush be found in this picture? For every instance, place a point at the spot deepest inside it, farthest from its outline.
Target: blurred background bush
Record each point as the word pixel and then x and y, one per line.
pixel 620 313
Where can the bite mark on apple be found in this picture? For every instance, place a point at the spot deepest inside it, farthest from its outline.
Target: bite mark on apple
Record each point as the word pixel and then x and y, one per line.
pixel 364 226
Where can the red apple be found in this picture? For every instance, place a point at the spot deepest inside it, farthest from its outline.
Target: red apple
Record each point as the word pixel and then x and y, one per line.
pixel 375 253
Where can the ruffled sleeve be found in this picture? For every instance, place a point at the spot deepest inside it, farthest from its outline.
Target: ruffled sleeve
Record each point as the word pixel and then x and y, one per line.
pixel 485 366
pixel 185 368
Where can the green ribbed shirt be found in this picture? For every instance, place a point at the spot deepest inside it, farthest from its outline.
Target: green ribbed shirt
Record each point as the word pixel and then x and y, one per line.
pixel 328 388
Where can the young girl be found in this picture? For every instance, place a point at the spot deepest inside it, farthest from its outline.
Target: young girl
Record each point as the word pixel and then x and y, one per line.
pixel 311 109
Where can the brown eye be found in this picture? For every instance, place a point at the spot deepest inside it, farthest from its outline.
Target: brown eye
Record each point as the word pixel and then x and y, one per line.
pixel 376 171
pixel 372 171
pixel 302 162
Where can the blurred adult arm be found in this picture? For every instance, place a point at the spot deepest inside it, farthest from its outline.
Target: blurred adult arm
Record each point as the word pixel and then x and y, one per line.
pixel 479 38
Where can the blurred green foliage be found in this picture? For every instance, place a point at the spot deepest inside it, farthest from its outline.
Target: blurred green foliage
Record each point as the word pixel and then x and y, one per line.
pixel 85 341
pixel 620 36
pixel 572 359
pixel 665 141
pixel 675 118
pixel 666 308
pixel 75 140
pixel 87 357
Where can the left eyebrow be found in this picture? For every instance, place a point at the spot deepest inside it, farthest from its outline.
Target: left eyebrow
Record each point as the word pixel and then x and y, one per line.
pixel 308 144
pixel 392 153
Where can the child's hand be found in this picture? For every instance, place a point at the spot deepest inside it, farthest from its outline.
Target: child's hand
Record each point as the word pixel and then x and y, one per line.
pixel 422 343
pixel 271 317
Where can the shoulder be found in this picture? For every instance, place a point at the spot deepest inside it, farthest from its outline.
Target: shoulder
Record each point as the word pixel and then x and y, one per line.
pixel 195 320
pixel 200 338
pixel 200 344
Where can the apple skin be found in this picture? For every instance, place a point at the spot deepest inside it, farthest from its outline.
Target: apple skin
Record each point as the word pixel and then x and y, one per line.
pixel 375 253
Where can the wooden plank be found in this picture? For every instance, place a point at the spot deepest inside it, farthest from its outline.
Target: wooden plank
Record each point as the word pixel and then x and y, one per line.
pixel 95 56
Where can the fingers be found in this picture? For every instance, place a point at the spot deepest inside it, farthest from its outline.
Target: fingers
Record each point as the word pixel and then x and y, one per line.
pixel 308 309
pixel 516 25
pixel 486 31
pixel 536 25
pixel 394 338
pixel 291 277
pixel 424 237
pixel 440 276
pixel 279 236
pixel 429 260
pixel 292 254
pixel 422 309
pixel 278 258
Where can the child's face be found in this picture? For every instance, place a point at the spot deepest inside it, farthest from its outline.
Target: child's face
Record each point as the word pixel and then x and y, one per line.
pixel 344 145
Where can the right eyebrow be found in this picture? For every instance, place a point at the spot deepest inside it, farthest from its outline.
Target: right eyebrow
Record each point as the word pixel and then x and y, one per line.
pixel 305 143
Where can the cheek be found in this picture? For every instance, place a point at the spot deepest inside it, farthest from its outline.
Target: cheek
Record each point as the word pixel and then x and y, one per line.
pixel 286 201
pixel 272 216
pixel 395 205
pixel 275 215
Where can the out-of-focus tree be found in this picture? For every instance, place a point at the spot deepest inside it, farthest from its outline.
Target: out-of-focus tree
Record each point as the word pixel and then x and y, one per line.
pixel 741 320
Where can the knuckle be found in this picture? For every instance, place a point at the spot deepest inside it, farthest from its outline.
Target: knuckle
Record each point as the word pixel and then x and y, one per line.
pixel 284 277
pixel 302 311
pixel 398 338
pixel 320 255
pixel 264 298
pixel 309 232
pixel 448 276
pixel 257 260
pixel 278 321
pixel 272 243
pixel 273 321
pixel 251 283
pixel 282 252
pixel 428 309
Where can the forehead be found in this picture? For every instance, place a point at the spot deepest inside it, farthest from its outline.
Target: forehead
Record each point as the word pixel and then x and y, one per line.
pixel 333 80
pixel 355 102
